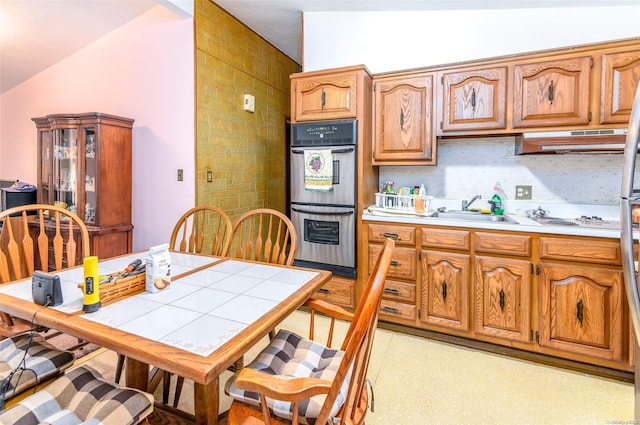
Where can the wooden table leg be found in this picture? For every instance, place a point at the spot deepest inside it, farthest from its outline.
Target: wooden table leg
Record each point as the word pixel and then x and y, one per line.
pixel 207 402
pixel 137 374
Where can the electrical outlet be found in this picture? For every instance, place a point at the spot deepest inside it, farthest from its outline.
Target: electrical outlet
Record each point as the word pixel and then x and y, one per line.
pixel 180 174
pixel 523 192
pixel 209 176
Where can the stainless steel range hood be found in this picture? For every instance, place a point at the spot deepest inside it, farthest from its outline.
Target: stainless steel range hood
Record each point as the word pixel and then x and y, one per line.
pixel 606 140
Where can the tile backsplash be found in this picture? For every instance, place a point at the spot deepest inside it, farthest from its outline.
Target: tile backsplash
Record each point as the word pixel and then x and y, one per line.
pixel 468 167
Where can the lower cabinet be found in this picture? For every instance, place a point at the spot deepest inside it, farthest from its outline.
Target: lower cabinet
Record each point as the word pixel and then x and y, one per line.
pixel 340 291
pixel 580 311
pixel 444 293
pixel 502 297
pixel 557 295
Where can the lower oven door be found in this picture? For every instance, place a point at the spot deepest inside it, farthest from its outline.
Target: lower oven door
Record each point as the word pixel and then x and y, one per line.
pixel 326 235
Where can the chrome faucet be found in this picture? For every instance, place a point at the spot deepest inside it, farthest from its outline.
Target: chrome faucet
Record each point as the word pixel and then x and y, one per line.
pixel 467 204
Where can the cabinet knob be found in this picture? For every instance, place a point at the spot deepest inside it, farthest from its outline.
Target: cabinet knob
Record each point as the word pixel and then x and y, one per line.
pixel 401 118
pixel 550 94
pixel 323 98
pixel 473 98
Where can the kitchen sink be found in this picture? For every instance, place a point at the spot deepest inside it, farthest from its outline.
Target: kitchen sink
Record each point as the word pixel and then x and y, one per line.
pixel 473 216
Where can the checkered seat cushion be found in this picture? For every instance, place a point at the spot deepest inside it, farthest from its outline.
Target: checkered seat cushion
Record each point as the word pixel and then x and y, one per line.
pixel 42 362
pixel 80 396
pixel 290 355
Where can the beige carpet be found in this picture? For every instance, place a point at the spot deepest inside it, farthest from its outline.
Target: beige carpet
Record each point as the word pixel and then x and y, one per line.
pixel 420 381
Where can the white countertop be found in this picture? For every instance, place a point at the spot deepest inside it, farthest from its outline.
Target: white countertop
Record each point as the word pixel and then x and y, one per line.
pixel 516 210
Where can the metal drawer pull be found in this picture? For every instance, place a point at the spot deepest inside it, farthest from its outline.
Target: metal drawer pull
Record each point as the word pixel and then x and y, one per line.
pixel 502 300
pixel 473 99
pixel 324 98
pixel 551 92
pixel 401 118
pixel 324 291
pixel 580 311
pixel 444 290
pixel 390 310
pixel 391 235
pixel 395 263
pixel 391 291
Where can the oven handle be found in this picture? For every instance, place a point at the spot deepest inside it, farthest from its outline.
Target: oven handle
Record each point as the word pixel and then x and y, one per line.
pixel 345 150
pixel 322 212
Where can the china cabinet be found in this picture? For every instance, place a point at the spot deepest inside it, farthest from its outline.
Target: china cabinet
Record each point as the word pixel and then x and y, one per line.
pixel 84 165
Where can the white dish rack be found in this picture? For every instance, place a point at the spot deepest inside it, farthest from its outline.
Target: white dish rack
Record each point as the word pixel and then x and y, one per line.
pixel 391 201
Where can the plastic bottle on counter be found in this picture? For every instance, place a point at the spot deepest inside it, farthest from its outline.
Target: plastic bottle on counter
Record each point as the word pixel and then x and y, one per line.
pixel 422 192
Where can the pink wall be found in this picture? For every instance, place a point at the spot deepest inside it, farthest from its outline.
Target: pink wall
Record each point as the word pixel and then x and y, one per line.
pixel 144 70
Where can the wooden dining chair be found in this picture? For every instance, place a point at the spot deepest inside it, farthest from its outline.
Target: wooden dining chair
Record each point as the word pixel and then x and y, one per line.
pixel 204 229
pixel 297 380
pixel 38 237
pixel 81 396
pixel 264 235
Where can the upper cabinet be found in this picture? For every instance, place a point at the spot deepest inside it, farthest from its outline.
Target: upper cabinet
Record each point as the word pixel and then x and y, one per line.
pixel 552 93
pixel 403 121
pixel 324 96
pixel 620 77
pixel 474 99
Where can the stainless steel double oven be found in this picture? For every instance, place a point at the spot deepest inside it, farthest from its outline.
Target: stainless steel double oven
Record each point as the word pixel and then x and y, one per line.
pixel 325 220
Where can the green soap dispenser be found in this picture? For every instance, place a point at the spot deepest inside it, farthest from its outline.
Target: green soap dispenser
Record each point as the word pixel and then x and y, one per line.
pixel 496 201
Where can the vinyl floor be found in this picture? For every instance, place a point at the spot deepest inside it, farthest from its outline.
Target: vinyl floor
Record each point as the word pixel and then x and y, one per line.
pixel 421 381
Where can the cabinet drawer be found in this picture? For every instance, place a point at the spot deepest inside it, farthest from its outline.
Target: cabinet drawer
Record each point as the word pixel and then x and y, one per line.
pixel 339 291
pixel 586 251
pixel 403 262
pixel 402 235
pixel 398 310
pixel 399 291
pixel 497 243
pixel 445 238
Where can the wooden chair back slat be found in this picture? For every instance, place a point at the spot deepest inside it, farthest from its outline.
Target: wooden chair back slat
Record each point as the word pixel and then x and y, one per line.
pixel 265 235
pixel 202 228
pixel 27 245
pixel 43 243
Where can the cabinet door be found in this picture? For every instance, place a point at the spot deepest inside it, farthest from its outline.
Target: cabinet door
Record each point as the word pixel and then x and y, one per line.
pixel 403 122
pixel 474 100
pixel 502 298
pixel 581 310
pixel 554 93
pixel 620 76
pixel 324 97
pixel 444 298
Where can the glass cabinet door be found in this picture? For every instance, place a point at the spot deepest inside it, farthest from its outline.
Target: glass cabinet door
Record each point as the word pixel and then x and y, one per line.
pixel 91 176
pixel 45 167
pixel 65 169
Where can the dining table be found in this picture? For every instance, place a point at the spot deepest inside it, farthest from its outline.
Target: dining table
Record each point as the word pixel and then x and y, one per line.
pixel 214 310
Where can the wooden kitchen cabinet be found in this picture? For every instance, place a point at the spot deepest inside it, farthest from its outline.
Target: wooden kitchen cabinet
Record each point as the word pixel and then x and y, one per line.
pixel 403 121
pixel 502 297
pixel 474 99
pixel 84 164
pixel 620 78
pixel 339 290
pixel 399 294
pixel 444 297
pixel 329 95
pixel 556 295
pixel 581 310
pixel 552 93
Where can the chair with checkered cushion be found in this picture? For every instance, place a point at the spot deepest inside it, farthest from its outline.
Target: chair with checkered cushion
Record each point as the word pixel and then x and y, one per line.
pixel 81 396
pixel 22 368
pixel 296 380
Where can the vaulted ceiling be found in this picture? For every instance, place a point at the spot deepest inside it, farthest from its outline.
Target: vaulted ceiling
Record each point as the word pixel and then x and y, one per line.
pixel 35 34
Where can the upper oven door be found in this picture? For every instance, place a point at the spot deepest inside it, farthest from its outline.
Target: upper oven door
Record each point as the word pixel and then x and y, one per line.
pixel 343 186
